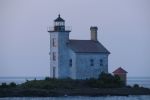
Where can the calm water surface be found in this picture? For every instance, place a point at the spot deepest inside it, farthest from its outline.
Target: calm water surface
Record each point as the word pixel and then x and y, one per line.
pixel 84 98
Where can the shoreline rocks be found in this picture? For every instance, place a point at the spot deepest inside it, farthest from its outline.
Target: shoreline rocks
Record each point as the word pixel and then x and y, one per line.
pixel 73 92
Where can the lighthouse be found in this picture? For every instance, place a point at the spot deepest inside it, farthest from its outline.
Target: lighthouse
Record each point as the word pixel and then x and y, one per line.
pixel 76 59
pixel 59 37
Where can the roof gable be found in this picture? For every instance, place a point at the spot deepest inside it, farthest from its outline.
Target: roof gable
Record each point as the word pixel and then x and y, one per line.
pixel 119 70
pixel 87 46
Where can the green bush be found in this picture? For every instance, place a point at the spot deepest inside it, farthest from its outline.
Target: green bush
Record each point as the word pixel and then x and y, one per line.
pixel 4 85
pixel 109 81
pixel 135 86
pixel 47 78
pixel 12 84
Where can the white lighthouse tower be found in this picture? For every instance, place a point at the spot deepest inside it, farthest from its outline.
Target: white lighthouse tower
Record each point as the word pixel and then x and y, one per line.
pixel 59 38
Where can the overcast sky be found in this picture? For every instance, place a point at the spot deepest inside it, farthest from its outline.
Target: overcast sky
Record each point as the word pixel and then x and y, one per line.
pixel 123 28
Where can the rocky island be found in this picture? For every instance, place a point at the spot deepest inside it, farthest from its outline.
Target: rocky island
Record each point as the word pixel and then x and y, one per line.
pixel 106 84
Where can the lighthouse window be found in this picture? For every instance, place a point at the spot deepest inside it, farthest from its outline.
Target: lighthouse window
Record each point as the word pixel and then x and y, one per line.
pixel 54 56
pixel 54 71
pixel 92 62
pixel 101 62
pixel 54 42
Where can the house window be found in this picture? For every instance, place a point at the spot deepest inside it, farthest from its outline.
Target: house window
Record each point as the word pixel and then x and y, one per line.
pixel 54 42
pixel 101 62
pixel 54 56
pixel 54 71
pixel 70 62
pixel 92 62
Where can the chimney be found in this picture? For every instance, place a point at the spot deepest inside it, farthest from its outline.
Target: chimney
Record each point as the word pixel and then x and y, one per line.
pixel 93 33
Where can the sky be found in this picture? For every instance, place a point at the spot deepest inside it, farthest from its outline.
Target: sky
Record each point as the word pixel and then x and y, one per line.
pixel 123 28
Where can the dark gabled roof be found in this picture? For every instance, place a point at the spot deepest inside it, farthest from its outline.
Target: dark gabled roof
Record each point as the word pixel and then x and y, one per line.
pixel 119 70
pixel 59 19
pixel 87 46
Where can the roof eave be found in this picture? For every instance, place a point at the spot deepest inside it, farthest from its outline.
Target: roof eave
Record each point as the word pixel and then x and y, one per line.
pixel 93 52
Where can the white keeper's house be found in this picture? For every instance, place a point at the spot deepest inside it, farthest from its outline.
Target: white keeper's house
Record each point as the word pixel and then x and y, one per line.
pixel 77 59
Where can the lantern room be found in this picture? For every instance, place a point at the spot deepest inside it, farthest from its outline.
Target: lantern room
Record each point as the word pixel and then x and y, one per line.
pixel 59 24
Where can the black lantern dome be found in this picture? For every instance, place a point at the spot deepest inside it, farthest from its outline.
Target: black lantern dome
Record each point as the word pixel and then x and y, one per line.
pixel 59 19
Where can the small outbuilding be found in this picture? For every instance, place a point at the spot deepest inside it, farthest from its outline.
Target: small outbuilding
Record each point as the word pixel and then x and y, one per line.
pixel 122 74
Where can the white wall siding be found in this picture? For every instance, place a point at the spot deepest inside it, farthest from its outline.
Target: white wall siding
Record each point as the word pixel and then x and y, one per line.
pixel 73 67
pixel 83 65
pixel 53 49
pixel 63 50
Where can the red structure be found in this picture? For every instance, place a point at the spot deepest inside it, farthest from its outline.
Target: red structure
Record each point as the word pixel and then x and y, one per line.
pixel 122 74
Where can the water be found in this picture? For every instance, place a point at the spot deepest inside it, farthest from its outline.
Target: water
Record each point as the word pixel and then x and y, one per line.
pixel 143 97
pixel 142 81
